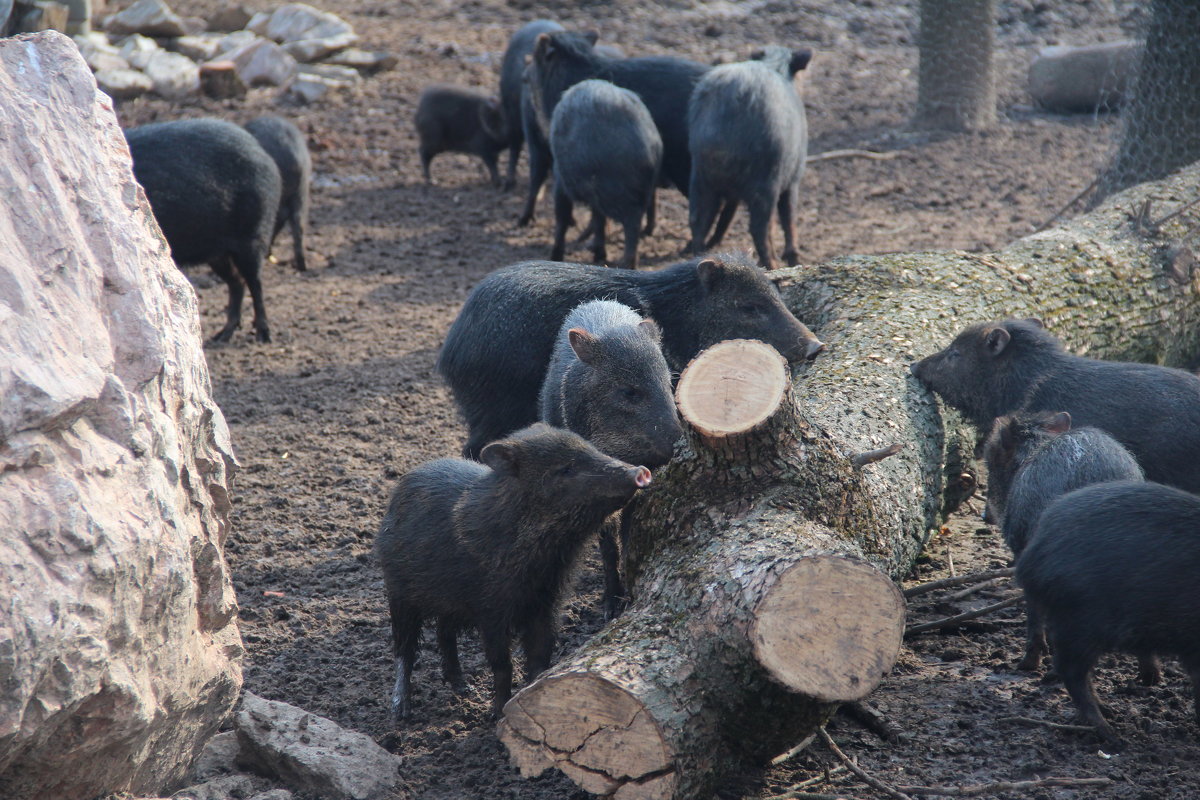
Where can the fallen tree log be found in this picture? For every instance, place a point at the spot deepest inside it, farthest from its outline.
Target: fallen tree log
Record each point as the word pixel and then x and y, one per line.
pixel 757 561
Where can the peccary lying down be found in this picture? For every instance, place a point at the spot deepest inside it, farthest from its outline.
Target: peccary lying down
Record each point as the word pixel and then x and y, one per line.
pixel 1113 566
pixel 1032 460
pixel 608 382
pixel 996 368
pixel 284 143
pixel 497 351
pixel 490 545
pixel 451 119
pixel 215 193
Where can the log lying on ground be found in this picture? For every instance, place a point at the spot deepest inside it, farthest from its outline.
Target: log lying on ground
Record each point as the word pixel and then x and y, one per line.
pixel 731 551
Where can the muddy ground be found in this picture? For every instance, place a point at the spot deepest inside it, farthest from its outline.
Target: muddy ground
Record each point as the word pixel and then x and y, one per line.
pixel 345 398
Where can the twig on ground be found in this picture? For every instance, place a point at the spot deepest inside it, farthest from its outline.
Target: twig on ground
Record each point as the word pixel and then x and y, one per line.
pixel 1154 226
pixel 950 561
pixel 970 590
pixel 804 743
pixel 975 790
pixel 871 456
pixel 810 796
pixel 872 719
pixel 1058 726
pixel 950 622
pixel 1086 190
pixel 797 789
pixel 829 155
pixel 859 771
pixel 946 583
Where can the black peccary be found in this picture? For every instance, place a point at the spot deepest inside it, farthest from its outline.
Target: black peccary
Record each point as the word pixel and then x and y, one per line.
pixel 996 368
pixel 496 353
pixel 215 193
pixel 664 83
pixel 607 155
pixel 490 545
pixel 512 83
pixel 608 382
pixel 1113 566
pixel 284 142
pixel 749 141
pixel 452 119
pixel 1033 459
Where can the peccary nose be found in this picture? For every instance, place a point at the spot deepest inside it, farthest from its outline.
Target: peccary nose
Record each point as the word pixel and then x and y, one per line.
pixel 814 347
pixel 641 476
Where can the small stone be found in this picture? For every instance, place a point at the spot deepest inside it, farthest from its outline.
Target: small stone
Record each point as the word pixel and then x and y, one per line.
pixel 147 17
pixel 122 84
pixel 173 75
pixel 274 794
pixel 222 788
pixel 138 49
pixel 235 40
pixel 334 74
pixel 230 18
pixel 263 62
pixel 219 757
pixel 363 60
pixel 306 50
pixel 203 47
pixel 307 89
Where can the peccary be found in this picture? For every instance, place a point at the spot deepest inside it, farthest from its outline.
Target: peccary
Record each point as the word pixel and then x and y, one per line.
pixel 215 193
pixel 490 545
pixel 496 353
pixel 996 368
pixel 749 141
pixel 284 142
pixel 608 382
pixel 512 83
pixel 1113 566
pixel 1032 459
pixel 607 155
pixel 563 59
pixel 451 119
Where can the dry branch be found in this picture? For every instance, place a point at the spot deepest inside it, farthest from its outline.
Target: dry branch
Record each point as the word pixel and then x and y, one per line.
pixel 978 790
pixel 950 622
pixel 947 583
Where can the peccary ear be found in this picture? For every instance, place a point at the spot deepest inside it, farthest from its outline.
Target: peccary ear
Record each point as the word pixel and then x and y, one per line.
pixel 543 47
pixel 757 55
pixel 1059 423
pixel 1036 322
pixel 995 340
pixel 651 328
pixel 591 36
pixel 584 345
pixel 708 272
pixel 501 456
pixel 800 59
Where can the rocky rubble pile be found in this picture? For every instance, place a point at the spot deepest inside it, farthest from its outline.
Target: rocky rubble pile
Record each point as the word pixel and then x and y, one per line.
pixel 147 47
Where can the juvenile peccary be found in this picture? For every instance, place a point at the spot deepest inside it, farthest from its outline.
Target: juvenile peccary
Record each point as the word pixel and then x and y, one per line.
pixel 749 142
pixel 512 85
pixel 563 59
pixel 284 142
pixel 496 353
pixel 1033 459
pixel 451 119
pixel 607 155
pixel 215 193
pixel 1113 566
pixel 490 545
pixel 608 382
pixel 996 368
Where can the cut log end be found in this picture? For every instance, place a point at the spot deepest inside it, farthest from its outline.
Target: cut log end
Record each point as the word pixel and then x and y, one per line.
pixel 732 387
pixel 830 628
pixel 598 734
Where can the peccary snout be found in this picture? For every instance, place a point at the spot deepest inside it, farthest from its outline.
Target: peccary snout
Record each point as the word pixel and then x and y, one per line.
pixel 641 477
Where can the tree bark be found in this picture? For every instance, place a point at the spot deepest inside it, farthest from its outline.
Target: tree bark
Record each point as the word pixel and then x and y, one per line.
pixel 742 528
pixel 956 81
pixel 1161 120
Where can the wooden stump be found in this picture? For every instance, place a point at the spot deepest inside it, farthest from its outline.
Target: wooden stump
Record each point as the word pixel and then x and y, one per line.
pixel 220 80
pixel 748 624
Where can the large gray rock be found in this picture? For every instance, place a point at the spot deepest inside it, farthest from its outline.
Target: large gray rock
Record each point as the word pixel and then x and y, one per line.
pixel 119 648
pixel 262 63
pixel 173 75
pixel 312 754
pixel 1083 79
pixel 307 34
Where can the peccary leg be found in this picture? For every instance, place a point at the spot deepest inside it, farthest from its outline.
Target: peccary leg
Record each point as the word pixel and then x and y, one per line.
pixel 538 641
pixel 1035 641
pixel 296 226
pixel 651 212
pixel 492 162
pixel 1073 661
pixel 760 231
pixel 562 220
pixel 514 155
pixel 496 649
pixel 599 252
pixel 406 630
pixel 250 265
pixel 539 168
pixel 447 638
pixel 632 226
pixel 727 212
pixel 426 157
pixel 1149 672
pixel 614 590
pixel 702 210
pixel 787 221
pixel 223 266
pixel 585 234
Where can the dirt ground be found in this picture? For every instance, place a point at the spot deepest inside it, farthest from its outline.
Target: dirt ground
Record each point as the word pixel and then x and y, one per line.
pixel 345 399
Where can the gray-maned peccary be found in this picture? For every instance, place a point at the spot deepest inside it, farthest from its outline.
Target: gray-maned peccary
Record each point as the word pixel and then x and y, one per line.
pixel 490 545
pixel 496 353
pixel 996 368
pixel 1113 566
pixel 749 142
pixel 608 382
pixel 512 83
pixel 451 119
pixel 664 84
pixel 1033 459
pixel 215 193
pixel 284 142
pixel 607 154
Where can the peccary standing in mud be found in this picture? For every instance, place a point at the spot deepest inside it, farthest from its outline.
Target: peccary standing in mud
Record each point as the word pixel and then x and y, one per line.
pixel 1032 460
pixel 496 354
pixel 284 143
pixel 608 382
pixel 996 368
pixel 490 545
pixel 451 119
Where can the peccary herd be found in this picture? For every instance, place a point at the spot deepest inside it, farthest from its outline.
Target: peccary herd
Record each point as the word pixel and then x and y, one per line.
pixel 564 372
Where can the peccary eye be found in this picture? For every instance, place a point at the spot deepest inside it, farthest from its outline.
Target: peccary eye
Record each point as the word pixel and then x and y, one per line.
pixel 751 308
pixel 567 471
pixel 630 393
